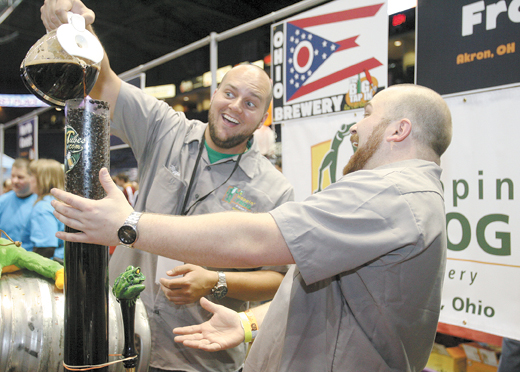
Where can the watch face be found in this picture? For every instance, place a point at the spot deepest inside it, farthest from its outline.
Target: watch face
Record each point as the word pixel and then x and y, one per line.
pixel 220 292
pixel 127 234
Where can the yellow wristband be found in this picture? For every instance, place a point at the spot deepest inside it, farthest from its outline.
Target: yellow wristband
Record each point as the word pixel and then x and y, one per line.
pixel 248 336
pixel 252 322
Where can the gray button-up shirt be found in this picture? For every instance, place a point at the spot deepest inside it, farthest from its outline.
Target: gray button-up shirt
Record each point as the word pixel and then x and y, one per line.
pixel 166 144
pixel 365 294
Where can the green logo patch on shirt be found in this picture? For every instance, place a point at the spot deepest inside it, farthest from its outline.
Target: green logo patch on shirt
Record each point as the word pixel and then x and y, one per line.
pixel 234 196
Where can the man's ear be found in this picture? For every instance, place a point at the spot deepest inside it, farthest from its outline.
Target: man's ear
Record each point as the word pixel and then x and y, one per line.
pixel 213 95
pixel 266 115
pixel 401 130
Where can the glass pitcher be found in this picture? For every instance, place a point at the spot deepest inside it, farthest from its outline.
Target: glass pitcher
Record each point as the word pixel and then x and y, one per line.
pixel 64 64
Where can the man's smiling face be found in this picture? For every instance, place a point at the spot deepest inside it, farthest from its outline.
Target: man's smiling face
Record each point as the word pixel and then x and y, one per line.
pixel 21 181
pixel 238 107
pixel 368 134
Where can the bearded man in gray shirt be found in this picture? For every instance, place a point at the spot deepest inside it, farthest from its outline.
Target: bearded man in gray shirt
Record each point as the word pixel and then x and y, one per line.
pixel 370 250
pixel 187 167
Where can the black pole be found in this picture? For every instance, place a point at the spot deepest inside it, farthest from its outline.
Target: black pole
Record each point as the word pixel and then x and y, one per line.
pixel 128 313
pixel 86 265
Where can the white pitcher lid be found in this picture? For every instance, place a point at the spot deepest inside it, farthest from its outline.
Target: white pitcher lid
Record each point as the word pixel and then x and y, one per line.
pixel 76 40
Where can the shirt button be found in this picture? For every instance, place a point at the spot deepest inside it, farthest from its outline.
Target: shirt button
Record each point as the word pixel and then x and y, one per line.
pixel 197 196
pixel 157 312
pixel 208 168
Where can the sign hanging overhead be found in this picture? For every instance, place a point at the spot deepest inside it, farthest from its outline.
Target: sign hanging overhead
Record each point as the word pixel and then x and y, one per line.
pixel 483 254
pixel 28 138
pixel 330 59
pixel 466 45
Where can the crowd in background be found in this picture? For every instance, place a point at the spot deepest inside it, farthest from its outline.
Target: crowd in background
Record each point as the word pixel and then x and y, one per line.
pixel 26 214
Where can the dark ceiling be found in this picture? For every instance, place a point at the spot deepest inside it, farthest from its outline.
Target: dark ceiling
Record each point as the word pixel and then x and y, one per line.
pixel 135 32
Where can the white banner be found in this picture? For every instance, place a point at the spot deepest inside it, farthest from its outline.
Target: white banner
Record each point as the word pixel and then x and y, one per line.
pixel 330 59
pixel 327 63
pixel 483 269
pixel 314 152
pixel 481 289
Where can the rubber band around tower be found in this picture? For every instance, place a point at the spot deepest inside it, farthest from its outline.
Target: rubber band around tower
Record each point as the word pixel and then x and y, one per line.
pixel 97 366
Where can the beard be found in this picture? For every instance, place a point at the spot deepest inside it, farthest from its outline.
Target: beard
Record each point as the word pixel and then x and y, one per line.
pixel 226 143
pixel 364 154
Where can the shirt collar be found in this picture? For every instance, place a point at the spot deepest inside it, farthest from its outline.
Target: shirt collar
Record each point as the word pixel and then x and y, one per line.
pixel 248 162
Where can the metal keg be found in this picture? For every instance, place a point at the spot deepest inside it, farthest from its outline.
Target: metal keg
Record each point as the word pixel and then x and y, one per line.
pixel 32 326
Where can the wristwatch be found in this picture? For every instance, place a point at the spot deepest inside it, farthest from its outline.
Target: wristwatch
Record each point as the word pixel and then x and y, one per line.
pixel 127 233
pixel 220 289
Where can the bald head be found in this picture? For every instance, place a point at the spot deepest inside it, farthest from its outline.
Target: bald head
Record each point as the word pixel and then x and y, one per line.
pixel 257 77
pixel 427 111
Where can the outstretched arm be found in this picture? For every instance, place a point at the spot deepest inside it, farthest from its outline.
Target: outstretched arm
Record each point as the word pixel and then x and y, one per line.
pixel 228 239
pixel 221 332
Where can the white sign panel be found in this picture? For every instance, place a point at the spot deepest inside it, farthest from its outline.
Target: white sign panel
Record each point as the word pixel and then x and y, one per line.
pixel 316 152
pixel 329 59
pixel 480 175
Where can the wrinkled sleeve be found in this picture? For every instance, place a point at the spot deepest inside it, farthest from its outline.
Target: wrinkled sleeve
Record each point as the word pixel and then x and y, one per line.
pixel 141 120
pixel 351 223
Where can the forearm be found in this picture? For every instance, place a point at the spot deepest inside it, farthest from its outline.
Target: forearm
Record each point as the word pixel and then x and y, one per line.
pixel 229 239
pixel 260 312
pixel 251 321
pixel 107 84
pixel 253 286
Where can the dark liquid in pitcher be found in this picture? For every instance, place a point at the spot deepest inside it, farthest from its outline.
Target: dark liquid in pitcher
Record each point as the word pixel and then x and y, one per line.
pixel 56 82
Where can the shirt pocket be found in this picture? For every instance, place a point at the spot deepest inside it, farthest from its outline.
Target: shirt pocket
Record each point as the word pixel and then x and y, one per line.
pixel 166 193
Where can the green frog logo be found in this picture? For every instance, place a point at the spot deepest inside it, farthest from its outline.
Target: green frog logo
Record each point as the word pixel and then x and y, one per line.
pixel 128 284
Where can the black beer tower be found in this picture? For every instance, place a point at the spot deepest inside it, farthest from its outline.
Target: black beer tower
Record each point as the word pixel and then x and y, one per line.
pixel 86 265
pixel 60 69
